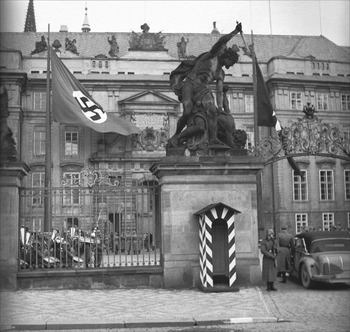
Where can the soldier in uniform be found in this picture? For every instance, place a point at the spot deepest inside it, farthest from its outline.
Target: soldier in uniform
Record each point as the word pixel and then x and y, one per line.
pixel 269 249
pixel 286 244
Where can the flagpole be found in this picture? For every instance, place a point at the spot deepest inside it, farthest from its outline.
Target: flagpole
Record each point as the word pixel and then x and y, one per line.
pixel 260 218
pixel 255 94
pixel 47 208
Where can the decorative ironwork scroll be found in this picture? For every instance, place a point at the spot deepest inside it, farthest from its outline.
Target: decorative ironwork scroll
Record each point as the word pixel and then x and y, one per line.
pixel 307 136
pixel 91 178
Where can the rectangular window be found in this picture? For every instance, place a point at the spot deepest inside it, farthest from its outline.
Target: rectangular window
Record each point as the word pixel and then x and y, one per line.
pixel 345 102
pixel 300 222
pixel 327 221
pixel 38 181
pixel 249 103
pixel 71 194
pixel 322 101
pixel 300 186
pixel 347 184
pixel 71 144
pixel 39 142
pixel 296 101
pixel 326 185
pixel 39 101
pixel 348 220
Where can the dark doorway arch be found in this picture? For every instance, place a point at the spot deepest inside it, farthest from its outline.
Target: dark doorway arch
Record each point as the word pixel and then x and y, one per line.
pixel 220 252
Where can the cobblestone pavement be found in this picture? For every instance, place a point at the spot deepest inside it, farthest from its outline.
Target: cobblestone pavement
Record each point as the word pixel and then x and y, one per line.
pixel 128 306
pixel 291 308
pixel 325 308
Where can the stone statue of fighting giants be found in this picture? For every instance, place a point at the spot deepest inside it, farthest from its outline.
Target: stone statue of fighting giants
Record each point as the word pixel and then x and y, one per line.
pixel 205 122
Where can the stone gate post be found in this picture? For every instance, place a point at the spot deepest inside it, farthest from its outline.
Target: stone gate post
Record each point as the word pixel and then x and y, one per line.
pixel 187 185
pixel 11 175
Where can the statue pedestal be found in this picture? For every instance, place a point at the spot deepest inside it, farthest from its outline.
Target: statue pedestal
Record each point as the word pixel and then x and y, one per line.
pixel 11 174
pixel 189 184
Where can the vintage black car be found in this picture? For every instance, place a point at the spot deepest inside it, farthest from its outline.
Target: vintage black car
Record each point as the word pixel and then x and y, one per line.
pixel 322 257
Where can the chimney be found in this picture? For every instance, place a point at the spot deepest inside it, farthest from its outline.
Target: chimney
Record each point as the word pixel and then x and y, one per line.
pixel 215 30
pixel 64 28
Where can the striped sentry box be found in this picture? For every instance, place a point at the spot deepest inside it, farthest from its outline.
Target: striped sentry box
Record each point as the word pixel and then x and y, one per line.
pixel 207 217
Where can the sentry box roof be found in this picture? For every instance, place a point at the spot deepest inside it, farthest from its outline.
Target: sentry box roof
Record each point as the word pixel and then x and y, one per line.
pixel 219 207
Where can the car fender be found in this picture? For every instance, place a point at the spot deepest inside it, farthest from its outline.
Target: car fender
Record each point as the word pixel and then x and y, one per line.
pixel 310 264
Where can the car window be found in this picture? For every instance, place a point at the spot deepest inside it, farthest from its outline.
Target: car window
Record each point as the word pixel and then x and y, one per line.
pixel 323 245
pixel 298 244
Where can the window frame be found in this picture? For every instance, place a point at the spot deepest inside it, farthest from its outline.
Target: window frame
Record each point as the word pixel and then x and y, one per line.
pixel 39 142
pixel 301 184
pixel 248 103
pixel 302 222
pixel 345 104
pixel 69 145
pixel 39 100
pixel 71 193
pixel 39 198
pixel 347 184
pixel 328 221
pixel 297 100
pixel 328 186
pixel 322 99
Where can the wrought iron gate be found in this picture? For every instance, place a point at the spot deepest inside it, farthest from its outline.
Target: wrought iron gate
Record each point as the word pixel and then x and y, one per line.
pixel 90 227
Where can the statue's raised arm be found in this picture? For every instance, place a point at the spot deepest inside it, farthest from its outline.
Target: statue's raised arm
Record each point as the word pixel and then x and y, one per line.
pixel 221 43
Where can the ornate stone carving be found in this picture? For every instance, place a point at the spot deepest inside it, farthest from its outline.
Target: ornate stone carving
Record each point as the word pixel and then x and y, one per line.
pixel 151 139
pixel 154 135
pixel 309 111
pixel 8 150
pixel 146 41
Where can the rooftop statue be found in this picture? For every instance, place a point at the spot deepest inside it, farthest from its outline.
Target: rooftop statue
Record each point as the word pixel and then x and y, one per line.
pixel 8 150
pixel 146 41
pixel 113 52
pixel 56 45
pixel 181 48
pixel 70 46
pixel 202 121
pixel 40 46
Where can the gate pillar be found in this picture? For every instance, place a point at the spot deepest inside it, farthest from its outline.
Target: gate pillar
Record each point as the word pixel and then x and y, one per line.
pixel 186 185
pixel 11 174
pixel 217 247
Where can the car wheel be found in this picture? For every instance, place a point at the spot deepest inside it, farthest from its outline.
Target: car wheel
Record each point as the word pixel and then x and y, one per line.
pixel 305 277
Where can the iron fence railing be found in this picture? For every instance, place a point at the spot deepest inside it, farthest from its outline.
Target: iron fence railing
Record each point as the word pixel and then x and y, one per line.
pixel 89 227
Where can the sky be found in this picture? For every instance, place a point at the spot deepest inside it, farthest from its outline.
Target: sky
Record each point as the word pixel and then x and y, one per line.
pixel 281 17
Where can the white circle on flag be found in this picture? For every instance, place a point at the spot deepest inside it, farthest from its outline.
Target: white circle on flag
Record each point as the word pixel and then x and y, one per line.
pixel 89 108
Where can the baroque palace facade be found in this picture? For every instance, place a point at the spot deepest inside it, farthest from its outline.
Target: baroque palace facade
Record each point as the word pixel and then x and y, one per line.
pixel 128 73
